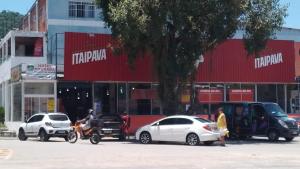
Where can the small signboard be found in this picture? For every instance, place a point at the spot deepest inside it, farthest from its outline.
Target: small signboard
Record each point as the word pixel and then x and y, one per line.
pixel 40 71
pixel 16 73
pixel 210 95
pixel 241 95
pixel 50 105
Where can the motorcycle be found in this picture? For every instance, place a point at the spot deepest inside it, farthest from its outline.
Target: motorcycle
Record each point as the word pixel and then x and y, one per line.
pixel 92 134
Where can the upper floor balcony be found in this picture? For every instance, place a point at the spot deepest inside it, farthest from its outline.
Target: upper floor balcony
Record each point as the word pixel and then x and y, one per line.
pixel 19 47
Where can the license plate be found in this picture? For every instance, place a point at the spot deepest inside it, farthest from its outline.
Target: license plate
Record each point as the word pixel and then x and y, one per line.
pixel 107 131
pixel 295 132
pixel 61 132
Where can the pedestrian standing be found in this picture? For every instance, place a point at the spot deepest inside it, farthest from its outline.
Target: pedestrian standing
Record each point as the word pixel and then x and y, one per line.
pixel 222 125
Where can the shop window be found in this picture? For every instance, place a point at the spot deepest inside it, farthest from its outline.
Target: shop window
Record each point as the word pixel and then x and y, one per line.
pixel 208 96
pixel 121 107
pixel 140 99
pixel 156 106
pixel 39 88
pixel 29 46
pixel 105 98
pixel 240 92
pixel 293 99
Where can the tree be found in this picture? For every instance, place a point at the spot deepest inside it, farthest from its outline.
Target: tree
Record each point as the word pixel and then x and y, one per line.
pixel 8 21
pixel 178 32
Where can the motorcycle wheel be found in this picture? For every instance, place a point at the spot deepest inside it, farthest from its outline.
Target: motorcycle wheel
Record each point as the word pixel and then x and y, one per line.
pixel 72 137
pixel 95 138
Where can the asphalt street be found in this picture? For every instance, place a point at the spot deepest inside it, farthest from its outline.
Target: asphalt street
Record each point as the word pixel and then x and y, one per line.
pixel 57 154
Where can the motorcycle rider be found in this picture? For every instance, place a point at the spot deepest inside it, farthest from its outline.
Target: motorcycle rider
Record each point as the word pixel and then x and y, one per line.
pixel 86 122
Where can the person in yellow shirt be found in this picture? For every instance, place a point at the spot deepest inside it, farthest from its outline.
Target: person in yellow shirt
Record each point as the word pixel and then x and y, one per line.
pixel 222 125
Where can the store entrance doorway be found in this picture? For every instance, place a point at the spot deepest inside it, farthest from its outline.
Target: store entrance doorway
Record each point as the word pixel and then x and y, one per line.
pixel 74 99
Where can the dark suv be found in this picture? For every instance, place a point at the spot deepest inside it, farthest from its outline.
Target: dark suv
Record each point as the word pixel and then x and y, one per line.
pixel 246 119
pixel 112 126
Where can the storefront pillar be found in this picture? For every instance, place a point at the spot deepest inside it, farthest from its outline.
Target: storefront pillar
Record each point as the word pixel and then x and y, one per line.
pixel 127 98
pixel 285 98
pixel 93 97
pixel 55 96
pixel 23 102
pixel 225 92
pixel 11 102
pixel 6 102
pixel 255 94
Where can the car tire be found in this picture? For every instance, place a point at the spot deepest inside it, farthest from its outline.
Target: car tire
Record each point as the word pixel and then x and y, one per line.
pixel 21 135
pixel 273 135
pixel 122 137
pixel 43 136
pixel 192 139
pixel 288 139
pixel 208 143
pixel 145 138
pixel 66 138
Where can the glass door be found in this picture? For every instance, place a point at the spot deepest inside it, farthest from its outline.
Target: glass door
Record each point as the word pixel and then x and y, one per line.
pixel 35 105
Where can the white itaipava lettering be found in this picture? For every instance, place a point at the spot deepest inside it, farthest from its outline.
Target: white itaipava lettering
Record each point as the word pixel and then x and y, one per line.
pixel 88 56
pixel 268 60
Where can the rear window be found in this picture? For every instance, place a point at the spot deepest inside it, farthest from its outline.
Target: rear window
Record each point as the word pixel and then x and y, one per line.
pixel 58 117
pixel 203 120
pixel 110 118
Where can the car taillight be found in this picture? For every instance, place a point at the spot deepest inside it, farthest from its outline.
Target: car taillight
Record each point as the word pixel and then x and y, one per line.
pixel 48 124
pixel 206 127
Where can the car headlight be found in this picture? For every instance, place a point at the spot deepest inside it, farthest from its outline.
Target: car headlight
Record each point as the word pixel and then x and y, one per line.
pixel 283 124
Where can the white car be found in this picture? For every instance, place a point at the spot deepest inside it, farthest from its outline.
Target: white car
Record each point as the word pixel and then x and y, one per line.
pixel 45 125
pixel 179 128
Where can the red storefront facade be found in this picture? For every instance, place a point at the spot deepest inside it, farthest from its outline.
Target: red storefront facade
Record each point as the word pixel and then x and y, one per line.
pixel 226 74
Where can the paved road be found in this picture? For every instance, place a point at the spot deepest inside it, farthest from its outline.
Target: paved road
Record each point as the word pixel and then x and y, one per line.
pixel 57 154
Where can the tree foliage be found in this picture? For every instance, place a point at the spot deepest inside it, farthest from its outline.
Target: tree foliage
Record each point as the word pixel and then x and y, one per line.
pixel 8 21
pixel 178 32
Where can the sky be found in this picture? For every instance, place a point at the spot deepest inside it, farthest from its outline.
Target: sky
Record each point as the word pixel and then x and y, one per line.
pixel 291 21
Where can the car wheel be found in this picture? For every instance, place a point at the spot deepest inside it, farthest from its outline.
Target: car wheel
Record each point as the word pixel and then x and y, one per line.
pixel 145 138
pixel 43 136
pixel 289 138
pixel 122 137
pixel 208 143
pixel 273 135
pixel 192 139
pixel 22 135
pixel 66 138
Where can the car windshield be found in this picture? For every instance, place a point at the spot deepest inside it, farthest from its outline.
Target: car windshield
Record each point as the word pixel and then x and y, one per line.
pixel 275 110
pixel 202 120
pixel 58 117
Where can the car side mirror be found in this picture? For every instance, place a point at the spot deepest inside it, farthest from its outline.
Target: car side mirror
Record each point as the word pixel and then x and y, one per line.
pixel 157 124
